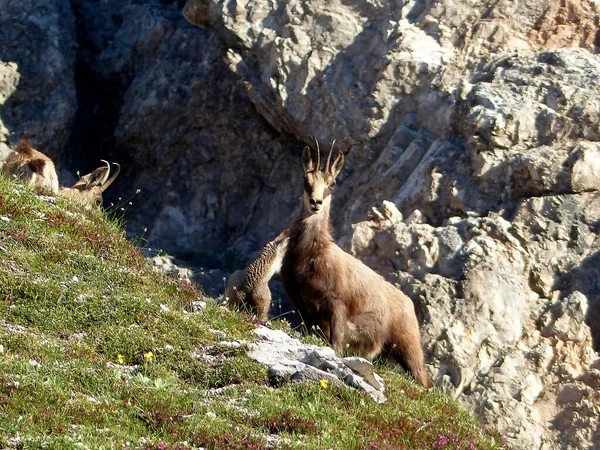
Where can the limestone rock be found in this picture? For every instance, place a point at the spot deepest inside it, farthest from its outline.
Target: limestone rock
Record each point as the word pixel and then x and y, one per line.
pixel 498 334
pixel 564 319
pixel 37 73
pixel 290 360
pixel 204 202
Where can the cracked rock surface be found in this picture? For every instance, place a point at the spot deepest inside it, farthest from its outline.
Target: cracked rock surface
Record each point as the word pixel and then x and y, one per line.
pixel 288 359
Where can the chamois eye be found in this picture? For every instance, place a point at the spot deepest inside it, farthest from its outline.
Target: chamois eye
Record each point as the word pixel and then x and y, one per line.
pixel 332 185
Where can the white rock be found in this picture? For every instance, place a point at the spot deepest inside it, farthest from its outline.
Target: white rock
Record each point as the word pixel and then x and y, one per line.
pixel 288 359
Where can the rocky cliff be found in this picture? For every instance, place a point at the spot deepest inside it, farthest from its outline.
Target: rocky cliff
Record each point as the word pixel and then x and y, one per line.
pixel 37 79
pixel 473 164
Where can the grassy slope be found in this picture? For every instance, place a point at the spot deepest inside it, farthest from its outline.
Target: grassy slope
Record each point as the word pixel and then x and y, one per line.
pixel 97 351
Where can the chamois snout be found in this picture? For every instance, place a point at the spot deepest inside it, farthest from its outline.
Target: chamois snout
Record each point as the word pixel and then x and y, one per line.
pixel 314 204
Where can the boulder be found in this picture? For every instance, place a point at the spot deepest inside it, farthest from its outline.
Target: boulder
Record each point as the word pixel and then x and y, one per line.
pixel 202 171
pixel 288 359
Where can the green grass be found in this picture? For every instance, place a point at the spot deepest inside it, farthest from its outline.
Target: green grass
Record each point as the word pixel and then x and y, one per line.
pixel 98 350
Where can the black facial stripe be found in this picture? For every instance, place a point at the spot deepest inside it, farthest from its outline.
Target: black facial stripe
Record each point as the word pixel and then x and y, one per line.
pixel 307 186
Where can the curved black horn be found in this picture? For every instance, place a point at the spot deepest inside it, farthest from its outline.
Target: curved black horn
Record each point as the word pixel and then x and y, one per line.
pixel 105 177
pixel 318 153
pixel 329 156
pixel 114 175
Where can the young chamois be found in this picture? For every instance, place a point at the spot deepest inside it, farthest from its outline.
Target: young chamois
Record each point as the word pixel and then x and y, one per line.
pixel 89 188
pixel 33 167
pixel 357 310
pixel 251 285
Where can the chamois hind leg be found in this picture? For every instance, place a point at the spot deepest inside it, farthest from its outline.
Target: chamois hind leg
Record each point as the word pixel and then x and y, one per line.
pixel 406 349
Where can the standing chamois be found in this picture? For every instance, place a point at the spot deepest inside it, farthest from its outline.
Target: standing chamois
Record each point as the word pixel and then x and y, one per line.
pixel 251 285
pixel 357 310
pixel 33 167
pixel 89 188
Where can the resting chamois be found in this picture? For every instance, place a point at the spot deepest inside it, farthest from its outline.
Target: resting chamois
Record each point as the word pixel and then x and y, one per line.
pixel 33 167
pixel 251 285
pixel 89 188
pixel 357 310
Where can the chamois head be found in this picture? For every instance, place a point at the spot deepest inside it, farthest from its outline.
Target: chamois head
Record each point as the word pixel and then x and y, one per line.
pixel 88 190
pixel 319 183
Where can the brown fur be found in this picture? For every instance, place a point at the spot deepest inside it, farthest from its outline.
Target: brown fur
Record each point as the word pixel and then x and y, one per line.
pixel 251 285
pixel 89 188
pixel 32 166
pixel 357 310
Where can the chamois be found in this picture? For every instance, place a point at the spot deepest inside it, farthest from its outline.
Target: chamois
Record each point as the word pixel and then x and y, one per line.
pixel 89 188
pixel 251 285
pixel 32 166
pixel 357 310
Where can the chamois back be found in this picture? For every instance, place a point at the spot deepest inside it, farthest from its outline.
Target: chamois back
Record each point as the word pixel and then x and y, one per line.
pixel 33 167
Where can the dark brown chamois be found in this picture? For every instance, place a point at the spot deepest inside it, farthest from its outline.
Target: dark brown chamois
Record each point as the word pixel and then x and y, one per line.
pixel 357 310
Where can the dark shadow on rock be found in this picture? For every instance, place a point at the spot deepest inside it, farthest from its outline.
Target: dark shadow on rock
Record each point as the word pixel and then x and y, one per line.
pixel 40 38
pixel 155 95
pixel 585 278
pixel 98 99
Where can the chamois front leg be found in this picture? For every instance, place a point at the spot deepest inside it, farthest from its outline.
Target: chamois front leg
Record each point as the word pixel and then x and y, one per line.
pixel 338 328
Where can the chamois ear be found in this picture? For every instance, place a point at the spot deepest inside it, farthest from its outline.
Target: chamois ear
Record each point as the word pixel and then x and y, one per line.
pixel 307 161
pixel 337 165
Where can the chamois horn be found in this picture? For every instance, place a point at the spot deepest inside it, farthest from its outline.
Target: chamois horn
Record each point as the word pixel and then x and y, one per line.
pixel 107 171
pixel 318 153
pixel 327 168
pixel 114 175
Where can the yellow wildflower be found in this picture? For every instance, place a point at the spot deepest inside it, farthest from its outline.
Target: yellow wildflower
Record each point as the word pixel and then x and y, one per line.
pixel 323 383
pixel 120 359
pixel 148 356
